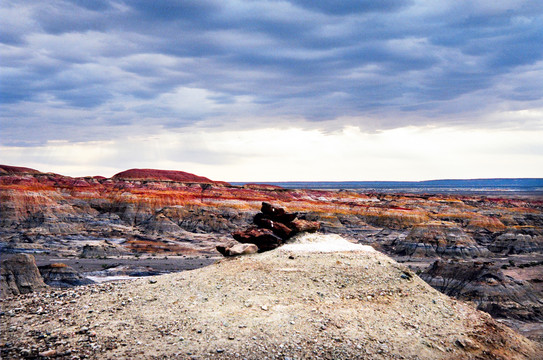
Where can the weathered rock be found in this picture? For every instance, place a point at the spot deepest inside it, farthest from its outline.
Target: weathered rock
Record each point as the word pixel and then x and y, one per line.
pixel 102 249
pixel 278 228
pixel 238 249
pixel 485 284
pixel 204 219
pixel 435 238
pixel 485 222
pixel 265 239
pixel 277 213
pixel 20 275
pixel 160 224
pixel 223 247
pixel 518 241
pixel 300 225
pixel 62 275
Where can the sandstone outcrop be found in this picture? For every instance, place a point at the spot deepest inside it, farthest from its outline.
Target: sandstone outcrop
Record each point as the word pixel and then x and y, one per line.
pixel 19 274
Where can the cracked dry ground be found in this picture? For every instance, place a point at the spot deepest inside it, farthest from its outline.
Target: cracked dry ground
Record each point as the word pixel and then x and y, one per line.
pixel 276 305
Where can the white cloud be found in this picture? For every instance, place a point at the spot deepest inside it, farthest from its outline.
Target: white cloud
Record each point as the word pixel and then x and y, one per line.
pixel 275 154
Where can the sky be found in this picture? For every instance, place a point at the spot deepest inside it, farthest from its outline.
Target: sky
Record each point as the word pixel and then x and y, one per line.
pixel 266 90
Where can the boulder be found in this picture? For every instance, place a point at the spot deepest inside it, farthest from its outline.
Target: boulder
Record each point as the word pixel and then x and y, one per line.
pixel 237 249
pixel 278 228
pixel 299 225
pixel 265 239
pixel 20 275
pixel 277 213
pixel 62 275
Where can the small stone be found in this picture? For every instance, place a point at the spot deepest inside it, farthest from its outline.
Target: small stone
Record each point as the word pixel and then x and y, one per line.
pixel 231 337
pixel 264 307
pixel 48 353
pixel 460 343
pixel 220 351
pixel 152 281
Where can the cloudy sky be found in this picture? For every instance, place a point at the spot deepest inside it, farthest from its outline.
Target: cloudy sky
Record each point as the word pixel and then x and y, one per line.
pixel 274 90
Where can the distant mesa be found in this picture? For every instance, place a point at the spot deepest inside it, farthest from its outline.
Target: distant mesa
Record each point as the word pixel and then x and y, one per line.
pixel 262 187
pixel 163 175
pixel 17 170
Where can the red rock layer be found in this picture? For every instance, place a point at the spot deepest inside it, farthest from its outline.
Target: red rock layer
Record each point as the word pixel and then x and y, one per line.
pixel 7 169
pixel 162 175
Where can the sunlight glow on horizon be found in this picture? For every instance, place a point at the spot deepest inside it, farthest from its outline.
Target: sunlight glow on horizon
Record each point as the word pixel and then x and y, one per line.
pixel 294 154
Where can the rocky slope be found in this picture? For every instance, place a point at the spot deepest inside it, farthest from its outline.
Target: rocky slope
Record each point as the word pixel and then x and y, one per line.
pixel 321 297
pixel 485 284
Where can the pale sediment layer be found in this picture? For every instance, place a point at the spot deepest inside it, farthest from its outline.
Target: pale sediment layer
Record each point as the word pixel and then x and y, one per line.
pixel 323 243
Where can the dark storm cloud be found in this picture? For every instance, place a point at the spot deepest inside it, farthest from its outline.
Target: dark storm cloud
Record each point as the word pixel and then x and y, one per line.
pixel 346 7
pixel 180 62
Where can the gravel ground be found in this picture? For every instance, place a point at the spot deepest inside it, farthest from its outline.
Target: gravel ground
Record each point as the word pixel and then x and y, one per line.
pixel 289 303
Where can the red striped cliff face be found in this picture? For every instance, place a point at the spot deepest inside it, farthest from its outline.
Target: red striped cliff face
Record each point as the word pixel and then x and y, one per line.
pixel 174 205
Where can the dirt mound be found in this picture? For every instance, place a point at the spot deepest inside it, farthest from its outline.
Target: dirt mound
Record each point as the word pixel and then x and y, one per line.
pixel 292 302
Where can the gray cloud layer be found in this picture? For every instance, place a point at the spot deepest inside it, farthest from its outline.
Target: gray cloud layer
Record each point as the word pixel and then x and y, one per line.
pixel 73 69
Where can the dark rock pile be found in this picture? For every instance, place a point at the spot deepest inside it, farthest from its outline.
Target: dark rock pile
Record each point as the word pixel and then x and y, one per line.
pixel 272 227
